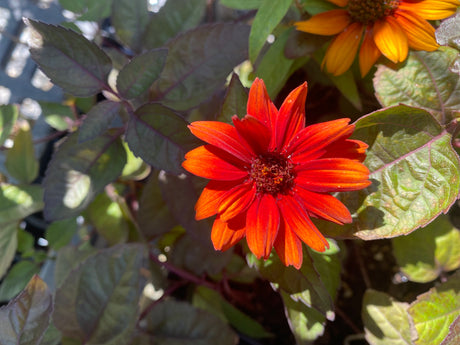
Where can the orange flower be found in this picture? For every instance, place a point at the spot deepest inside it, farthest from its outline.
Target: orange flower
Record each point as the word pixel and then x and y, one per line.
pixel 270 174
pixel 387 27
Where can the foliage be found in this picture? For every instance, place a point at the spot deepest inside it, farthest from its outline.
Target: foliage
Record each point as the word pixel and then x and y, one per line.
pixel 125 261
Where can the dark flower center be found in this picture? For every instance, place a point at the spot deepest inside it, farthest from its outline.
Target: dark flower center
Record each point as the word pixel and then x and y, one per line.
pixel 366 11
pixel 272 173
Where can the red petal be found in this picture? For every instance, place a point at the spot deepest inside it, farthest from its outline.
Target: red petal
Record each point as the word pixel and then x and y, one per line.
pixel 205 161
pixel 262 224
pixel 324 206
pixel 256 134
pixel 332 175
pixel 223 136
pixel 351 149
pixel 310 143
pixel 208 202
pixel 297 219
pixel 291 116
pixel 289 247
pixel 223 237
pixel 259 104
pixel 236 200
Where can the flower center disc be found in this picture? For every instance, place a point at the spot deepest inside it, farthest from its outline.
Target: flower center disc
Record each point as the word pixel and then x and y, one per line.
pixel 272 174
pixel 365 11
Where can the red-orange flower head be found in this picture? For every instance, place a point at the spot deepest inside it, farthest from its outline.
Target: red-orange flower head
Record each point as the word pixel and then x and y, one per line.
pixel 270 174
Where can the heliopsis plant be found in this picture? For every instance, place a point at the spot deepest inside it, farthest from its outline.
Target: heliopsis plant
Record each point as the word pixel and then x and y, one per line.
pixel 376 27
pixel 270 174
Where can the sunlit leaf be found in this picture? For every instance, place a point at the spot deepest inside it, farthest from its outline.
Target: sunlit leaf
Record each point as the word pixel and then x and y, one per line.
pixel 453 337
pixel 98 120
pixel 72 62
pixel 97 307
pixel 8 117
pixel 139 74
pixel 135 168
pixel 171 320
pixel 8 245
pixel 20 159
pixel 448 32
pixel 18 202
pixel 434 311
pixel 198 64
pixel 129 19
pixel 425 81
pixel 24 320
pixel 267 18
pixel 425 253
pixel 235 100
pixel 414 172
pixel 174 17
pixel 58 116
pixel 78 172
pixel 16 279
pixel 386 321
pixel 159 136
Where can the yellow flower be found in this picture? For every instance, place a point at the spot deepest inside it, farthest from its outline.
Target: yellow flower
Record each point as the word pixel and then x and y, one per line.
pixel 376 27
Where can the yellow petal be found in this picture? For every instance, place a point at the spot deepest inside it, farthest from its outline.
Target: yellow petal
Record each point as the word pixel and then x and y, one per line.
pixel 326 23
pixel 391 40
pixel 420 33
pixel 368 54
pixel 342 50
pixel 431 9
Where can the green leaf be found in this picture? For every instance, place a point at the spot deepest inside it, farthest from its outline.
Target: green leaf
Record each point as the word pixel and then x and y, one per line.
pixel 242 4
pixel 17 278
pixel 98 120
pixel 154 218
pixel 98 302
pixel 434 311
pixel 453 337
pixel 303 285
pixel 274 67
pixel 448 32
pixel 60 233
pixel 18 202
pixel 414 172
pixel 58 116
pixel 20 159
pixel 69 258
pixel 130 18
pixel 180 323
pixel 235 100
pixel 317 6
pixel 8 245
pixel 425 81
pixel 159 136
pixel 8 117
pixel 386 321
pixel 78 172
pixel 425 253
pixel 25 319
pixel 88 9
pixel 174 17
pixel 212 301
pixel 346 84
pixel 267 18
pixel 26 242
pixel 52 336
pixel 135 168
pixel 198 64
pixel 72 62
pixel 139 74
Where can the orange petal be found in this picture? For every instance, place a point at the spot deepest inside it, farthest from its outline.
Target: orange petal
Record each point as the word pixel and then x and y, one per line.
pixel 223 237
pixel 262 224
pixel 291 116
pixel 208 202
pixel 236 200
pixel 256 134
pixel 341 3
pixel 431 9
pixel 310 143
pixel 206 161
pixel 332 175
pixel 342 51
pixel 391 40
pixel 223 136
pixel 420 33
pixel 259 104
pixel 297 220
pixel 348 148
pixel 368 54
pixel 325 23
pixel 324 206
pixel 289 247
